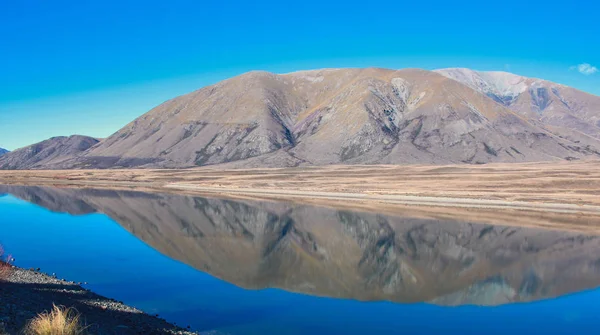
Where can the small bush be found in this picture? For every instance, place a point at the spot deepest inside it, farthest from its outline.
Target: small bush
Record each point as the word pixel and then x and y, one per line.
pixel 59 321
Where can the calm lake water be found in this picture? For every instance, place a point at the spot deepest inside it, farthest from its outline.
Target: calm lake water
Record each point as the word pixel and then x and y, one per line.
pixel 251 267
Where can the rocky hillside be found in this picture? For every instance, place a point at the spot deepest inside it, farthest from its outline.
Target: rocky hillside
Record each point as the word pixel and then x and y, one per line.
pixel 3 151
pixel 355 116
pixel 48 154
pixel 340 253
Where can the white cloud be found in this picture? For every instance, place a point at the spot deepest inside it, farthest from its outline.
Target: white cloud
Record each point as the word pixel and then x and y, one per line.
pixel 585 68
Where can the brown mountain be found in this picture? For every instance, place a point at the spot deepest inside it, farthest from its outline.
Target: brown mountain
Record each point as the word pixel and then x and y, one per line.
pixel 347 254
pixel 347 116
pixel 50 153
pixel 350 116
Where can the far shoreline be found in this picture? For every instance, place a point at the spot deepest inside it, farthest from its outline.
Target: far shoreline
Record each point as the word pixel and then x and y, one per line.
pixel 563 196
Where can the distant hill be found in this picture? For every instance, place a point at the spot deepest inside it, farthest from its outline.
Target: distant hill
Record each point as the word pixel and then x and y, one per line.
pixel 48 154
pixel 3 151
pixel 354 116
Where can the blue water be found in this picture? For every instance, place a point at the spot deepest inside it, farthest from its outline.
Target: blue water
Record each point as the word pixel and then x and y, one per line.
pixel 93 248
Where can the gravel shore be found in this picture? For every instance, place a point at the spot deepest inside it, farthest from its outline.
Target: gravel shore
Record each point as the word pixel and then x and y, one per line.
pixel 27 293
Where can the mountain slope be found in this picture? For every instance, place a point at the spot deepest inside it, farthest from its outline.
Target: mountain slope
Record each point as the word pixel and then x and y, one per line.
pixel 3 151
pixel 51 153
pixel 347 116
pixel 549 103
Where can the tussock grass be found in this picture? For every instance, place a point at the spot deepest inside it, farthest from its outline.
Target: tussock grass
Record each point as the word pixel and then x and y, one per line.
pixel 59 321
pixel 5 270
pixel 5 266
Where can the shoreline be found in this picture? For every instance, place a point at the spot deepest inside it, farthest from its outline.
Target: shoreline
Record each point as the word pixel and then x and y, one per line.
pixel 560 196
pixel 326 197
pixel 573 183
pixel 26 293
pixel 567 217
pixel 398 199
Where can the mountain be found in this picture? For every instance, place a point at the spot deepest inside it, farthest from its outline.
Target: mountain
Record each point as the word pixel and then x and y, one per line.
pixel 51 153
pixel 3 151
pixel 551 104
pixel 343 116
pixel 345 254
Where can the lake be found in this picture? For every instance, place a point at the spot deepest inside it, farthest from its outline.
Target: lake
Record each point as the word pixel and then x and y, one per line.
pixel 254 267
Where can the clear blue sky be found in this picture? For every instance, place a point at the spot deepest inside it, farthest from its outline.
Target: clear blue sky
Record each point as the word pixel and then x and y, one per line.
pixel 90 67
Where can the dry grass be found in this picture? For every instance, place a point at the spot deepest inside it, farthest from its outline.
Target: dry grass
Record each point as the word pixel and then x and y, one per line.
pixel 5 266
pixel 550 182
pixel 59 321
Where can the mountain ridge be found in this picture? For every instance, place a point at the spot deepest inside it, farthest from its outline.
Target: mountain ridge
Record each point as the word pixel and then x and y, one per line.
pixel 332 116
pixel 355 116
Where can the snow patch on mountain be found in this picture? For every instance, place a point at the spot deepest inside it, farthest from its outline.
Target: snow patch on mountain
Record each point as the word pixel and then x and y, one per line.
pixel 504 85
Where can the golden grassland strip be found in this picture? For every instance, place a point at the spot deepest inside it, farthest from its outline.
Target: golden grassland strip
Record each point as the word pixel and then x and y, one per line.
pixel 575 183
pixel 552 195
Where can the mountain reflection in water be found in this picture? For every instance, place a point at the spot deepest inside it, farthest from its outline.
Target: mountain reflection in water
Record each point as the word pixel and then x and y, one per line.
pixel 345 254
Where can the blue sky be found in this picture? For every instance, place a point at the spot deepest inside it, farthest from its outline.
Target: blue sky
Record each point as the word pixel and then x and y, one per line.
pixel 90 67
